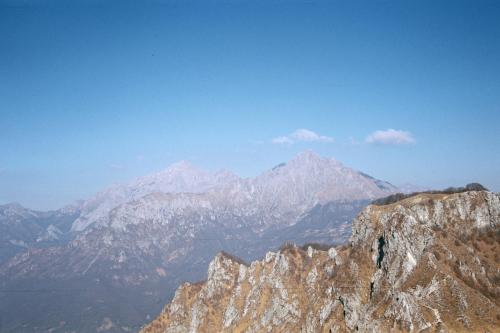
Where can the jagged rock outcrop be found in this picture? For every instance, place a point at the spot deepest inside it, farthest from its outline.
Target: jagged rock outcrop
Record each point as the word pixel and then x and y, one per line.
pixel 429 263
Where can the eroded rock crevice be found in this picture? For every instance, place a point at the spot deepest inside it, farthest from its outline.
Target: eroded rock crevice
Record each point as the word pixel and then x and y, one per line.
pixel 380 257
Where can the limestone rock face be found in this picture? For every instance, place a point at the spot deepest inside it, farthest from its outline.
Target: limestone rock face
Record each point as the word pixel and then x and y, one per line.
pixel 427 263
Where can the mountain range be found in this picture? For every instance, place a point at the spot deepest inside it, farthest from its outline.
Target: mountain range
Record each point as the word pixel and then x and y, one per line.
pixel 427 263
pixel 109 262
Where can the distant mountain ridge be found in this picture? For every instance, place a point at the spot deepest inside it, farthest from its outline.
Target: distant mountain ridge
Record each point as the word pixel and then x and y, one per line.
pixel 22 228
pixel 306 180
pixel 140 240
pixel 178 178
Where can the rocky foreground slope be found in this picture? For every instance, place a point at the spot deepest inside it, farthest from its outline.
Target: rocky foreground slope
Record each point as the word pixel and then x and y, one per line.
pixel 427 263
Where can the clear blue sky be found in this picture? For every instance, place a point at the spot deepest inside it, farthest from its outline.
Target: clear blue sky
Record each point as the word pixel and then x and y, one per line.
pixel 98 92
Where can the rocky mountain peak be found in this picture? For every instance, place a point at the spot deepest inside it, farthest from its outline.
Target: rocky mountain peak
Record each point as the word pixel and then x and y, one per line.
pixel 310 158
pixel 307 155
pixel 180 177
pixel 222 270
pixel 310 179
pixel 428 262
pixel 15 209
pixel 182 165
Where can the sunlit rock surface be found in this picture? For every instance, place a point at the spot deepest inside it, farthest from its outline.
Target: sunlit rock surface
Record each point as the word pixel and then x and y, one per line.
pixel 429 263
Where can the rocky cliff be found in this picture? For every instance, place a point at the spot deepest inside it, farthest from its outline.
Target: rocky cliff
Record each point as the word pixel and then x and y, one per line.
pixel 426 263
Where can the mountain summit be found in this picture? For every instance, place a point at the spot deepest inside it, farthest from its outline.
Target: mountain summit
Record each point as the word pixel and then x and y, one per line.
pixel 310 178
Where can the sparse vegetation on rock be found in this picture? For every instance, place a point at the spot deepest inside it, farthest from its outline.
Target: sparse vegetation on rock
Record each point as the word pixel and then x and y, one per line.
pixel 402 272
pixel 450 190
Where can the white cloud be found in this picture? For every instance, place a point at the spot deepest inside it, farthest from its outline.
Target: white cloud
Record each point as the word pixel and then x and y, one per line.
pixel 302 135
pixel 390 137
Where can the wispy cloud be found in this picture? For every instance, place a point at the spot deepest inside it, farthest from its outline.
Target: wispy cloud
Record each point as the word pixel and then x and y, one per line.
pixel 390 137
pixel 302 135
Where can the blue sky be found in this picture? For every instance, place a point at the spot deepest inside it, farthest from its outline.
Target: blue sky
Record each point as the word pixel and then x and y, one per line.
pixel 94 93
